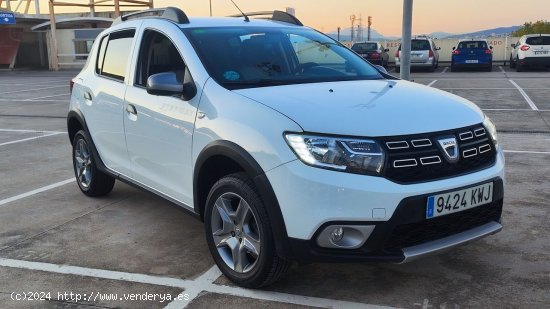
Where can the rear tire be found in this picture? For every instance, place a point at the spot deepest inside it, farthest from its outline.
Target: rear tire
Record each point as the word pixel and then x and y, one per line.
pixel 90 179
pixel 454 68
pixel 519 66
pixel 239 233
pixel 489 68
pixel 397 69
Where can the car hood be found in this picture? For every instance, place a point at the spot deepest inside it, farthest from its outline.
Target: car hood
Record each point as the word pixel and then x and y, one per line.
pixel 368 108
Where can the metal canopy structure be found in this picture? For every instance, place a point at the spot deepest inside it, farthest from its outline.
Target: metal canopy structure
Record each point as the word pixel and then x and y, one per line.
pixel 92 5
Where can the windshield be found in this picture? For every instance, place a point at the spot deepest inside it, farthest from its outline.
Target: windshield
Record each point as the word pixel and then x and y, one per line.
pixel 361 47
pixel 246 57
pixel 472 45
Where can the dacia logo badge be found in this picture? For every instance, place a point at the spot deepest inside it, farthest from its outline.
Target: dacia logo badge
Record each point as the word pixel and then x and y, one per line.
pixel 449 146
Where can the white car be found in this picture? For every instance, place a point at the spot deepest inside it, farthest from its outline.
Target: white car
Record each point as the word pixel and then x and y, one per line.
pixel 424 54
pixel 289 146
pixel 531 50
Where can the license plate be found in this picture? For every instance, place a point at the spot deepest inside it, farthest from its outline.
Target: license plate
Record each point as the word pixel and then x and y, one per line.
pixel 541 52
pixel 472 61
pixel 451 202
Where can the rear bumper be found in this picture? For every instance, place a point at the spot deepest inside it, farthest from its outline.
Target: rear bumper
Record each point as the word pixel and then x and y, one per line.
pixel 535 61
pixel 472 65
pixel 427 64
pixel 375 61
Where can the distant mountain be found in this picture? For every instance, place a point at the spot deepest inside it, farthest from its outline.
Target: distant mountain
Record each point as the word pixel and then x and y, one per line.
pixel 441 35
pixel 502 31
pixel 345 34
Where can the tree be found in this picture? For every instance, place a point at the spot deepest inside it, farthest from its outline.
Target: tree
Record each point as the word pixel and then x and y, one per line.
pixel 537 27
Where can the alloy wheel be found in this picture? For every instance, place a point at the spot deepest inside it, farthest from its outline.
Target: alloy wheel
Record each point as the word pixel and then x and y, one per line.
pixel 235 232
pixel 83 163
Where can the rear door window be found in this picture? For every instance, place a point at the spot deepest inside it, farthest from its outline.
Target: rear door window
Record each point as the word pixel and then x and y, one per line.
pixel 540 40
pixel 117 53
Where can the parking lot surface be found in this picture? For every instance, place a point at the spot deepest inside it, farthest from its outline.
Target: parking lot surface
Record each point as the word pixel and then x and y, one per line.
pixel 125 249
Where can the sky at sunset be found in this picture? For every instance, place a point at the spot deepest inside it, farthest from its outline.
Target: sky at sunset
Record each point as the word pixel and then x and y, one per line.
pixel 429 15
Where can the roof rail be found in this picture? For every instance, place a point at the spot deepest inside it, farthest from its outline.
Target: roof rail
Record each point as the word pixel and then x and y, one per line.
pixel 170 13
pixel 274 15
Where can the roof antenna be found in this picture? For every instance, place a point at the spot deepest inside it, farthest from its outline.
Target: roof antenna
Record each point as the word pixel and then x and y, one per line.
pixel 244 15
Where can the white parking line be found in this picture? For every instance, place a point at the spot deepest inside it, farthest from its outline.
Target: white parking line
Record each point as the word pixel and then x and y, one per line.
pixel 30 131
pixel 527 152
pixel 192 287
pixel 525 96
pixel 508 109
pixel 27 100
pixel 95 273
pixel 456 88
pixel 501 69
pixel 35 89
pixel 35 191
pixel 444 70
pixel 432 83
pixel 49 96
pixel 29 139
pixel 34 84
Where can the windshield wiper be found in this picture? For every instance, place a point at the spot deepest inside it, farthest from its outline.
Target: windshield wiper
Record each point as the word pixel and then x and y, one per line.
pixel 257 83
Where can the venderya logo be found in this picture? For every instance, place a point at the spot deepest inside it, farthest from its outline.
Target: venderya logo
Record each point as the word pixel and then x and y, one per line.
pixel 449 147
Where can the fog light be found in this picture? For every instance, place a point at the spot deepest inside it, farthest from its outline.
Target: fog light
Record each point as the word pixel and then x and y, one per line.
pixel 337 234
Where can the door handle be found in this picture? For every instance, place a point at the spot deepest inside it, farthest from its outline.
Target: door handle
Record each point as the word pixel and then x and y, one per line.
pixel 131 109
pixel 87 96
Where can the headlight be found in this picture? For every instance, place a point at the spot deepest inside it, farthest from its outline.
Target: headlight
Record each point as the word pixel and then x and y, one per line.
pixel 490 127
pixel 360 156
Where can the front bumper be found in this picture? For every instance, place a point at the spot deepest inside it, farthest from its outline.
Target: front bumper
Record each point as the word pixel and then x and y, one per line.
pixel 311 199
pixel 408 235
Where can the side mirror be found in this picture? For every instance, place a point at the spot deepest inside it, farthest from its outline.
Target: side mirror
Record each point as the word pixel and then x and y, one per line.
pixel 386 50
pixel 381 69
pixel 491 47
pixel 167 84
pixel 164 84
pixel 454 47
pixel 513 45
pixel 438 48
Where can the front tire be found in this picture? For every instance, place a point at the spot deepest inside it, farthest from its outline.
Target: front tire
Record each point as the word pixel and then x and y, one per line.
pixel 239 234
pixel 90 179
pixel 512 63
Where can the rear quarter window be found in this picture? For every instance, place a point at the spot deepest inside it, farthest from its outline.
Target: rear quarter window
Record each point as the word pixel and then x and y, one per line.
pixel 117 53
pixel 541 40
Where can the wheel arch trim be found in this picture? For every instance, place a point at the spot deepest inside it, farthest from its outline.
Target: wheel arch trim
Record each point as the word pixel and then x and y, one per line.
pixel 251 167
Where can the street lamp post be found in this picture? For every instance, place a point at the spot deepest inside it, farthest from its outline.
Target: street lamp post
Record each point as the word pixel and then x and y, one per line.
pixel 406 40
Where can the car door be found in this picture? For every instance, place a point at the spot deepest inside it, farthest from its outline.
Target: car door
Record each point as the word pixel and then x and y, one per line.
pixel 159 129
pixel 104 99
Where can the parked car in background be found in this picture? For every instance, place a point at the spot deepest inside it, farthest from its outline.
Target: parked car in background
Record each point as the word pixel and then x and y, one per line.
pixel 472 54
pixel 532 50
pixel 424 54
pixel 374 52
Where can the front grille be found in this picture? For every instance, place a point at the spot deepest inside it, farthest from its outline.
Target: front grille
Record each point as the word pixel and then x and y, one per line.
pixel 432 229
pixel 417 158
